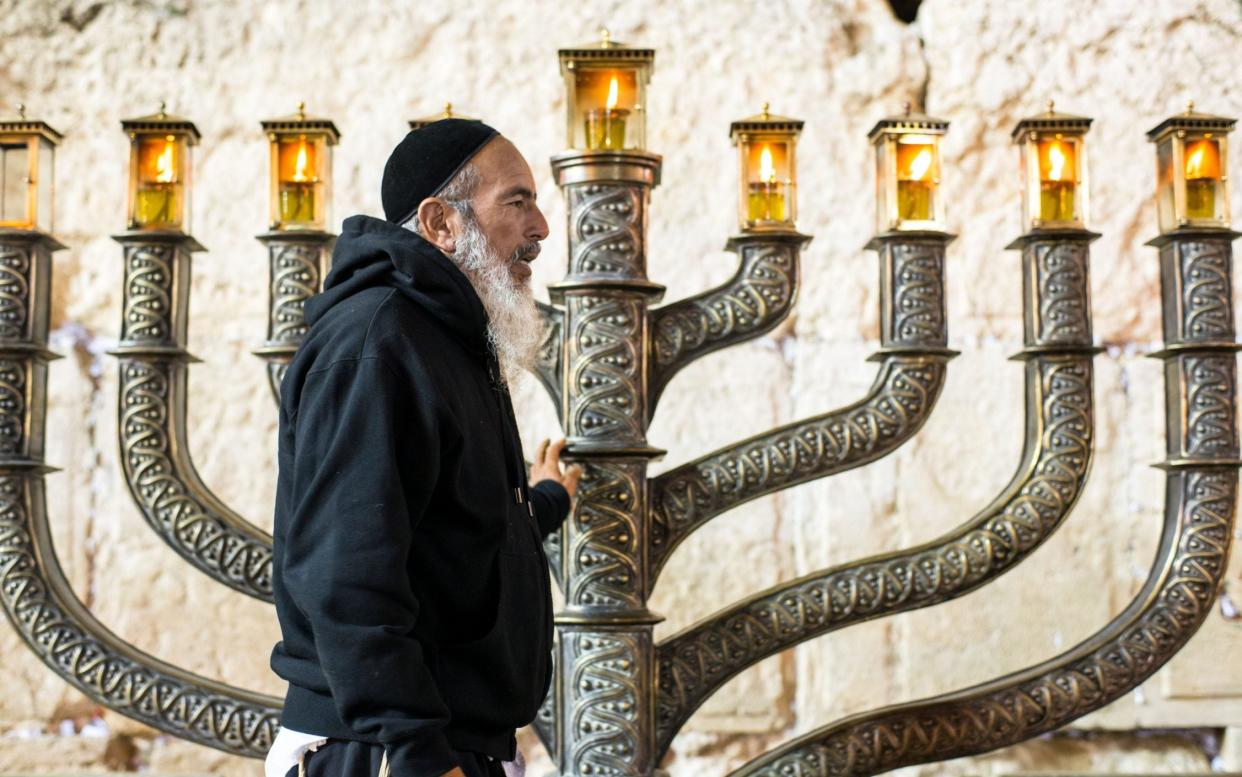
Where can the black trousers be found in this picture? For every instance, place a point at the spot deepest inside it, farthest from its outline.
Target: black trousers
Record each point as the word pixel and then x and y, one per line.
pixel 350 758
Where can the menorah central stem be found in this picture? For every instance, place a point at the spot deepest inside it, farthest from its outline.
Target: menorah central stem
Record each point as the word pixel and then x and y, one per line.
pixel 605 653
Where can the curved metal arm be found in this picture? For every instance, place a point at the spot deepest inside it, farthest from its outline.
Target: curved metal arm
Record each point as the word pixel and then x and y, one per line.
pixel 551 354
pixel 1056 457
pixel 913 356
pixel 298 262
pixel 152 403
pixel 758 297
pixel 1177 597
pixel 1201 491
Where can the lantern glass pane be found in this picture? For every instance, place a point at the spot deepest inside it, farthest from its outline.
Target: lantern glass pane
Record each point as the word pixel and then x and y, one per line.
pixel 14 186
pixel 1203 178
pixel 917 174
pixel 606 111
pixel 769 186
pixel 45 184
pixel 159 200
pixel 1058 178
pixel 1165 203
pixel 300 183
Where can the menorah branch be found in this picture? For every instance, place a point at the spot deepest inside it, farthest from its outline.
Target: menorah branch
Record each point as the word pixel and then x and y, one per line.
pixel 1052 472
pixel 913 362
pixel 758 297
pixel 159 470
pixel 1201 493
pixel 298 262
pixel 551 354
pixel 37 597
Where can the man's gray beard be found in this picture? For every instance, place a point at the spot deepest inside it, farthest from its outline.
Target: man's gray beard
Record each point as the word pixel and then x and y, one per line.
pixel 514 327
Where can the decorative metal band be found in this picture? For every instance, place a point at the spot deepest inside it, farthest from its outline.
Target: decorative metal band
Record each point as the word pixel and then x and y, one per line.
pixel 606 686
pixel 1179 594
pixel 15 268
pixel 155 294
pixel 1055 273
pixel 900 400
pixel 42 607
pixel 15 381
pixel 276 369
pixel 608 229
pixel 1050 477
pixel 549 361
pixel 1196 278
pixel 295 278
pixel 167 489
pixel 912 293
pixel 757 298
pixel 605 342
pixel 1204 424
pixel 604 559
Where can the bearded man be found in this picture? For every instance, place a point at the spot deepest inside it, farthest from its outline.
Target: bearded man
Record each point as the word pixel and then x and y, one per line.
pixel 408 571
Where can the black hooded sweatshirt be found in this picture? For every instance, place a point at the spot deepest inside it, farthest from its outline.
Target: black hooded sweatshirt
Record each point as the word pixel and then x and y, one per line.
pixel 410 583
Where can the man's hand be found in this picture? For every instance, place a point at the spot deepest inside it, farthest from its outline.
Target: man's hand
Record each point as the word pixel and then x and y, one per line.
pixel 547 466
pixel 457 772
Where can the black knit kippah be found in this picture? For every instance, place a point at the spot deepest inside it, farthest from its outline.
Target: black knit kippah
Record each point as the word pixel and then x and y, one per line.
pixel 425 160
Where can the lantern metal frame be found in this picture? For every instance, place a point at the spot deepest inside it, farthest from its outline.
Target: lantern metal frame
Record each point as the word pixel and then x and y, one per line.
pixel 1029 134
pixel 1171 198
pixel 40 141
pixel 187 136
pixel 447 113
pixel 767 128
pixel 325 135
pixel 607 55
pixel 885 136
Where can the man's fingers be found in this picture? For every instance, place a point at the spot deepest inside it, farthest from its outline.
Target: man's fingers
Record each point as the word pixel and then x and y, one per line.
pixel 541 451
pixel 554 453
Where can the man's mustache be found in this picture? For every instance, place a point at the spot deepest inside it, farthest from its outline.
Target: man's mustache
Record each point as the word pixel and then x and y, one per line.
pixel 525 253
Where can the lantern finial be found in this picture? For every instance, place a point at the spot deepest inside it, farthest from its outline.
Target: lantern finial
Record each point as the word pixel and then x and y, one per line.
pixel 21 111
pixel 301 110
pixel 605 37
pixel 448 110
pixel 163 109
pixel 1190 106
pixel 905 108
pixel 1051 106
pixel 765 110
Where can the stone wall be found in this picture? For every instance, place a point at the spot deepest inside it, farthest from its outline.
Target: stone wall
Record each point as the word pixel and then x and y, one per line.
pixel 838 64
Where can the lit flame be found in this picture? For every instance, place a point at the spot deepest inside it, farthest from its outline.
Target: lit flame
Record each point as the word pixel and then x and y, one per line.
pixel 612 95
pixel 767 171
pixel 920 165
pixel 299 166
pixel 1056 162
pixel 164 172
pixel 1195 164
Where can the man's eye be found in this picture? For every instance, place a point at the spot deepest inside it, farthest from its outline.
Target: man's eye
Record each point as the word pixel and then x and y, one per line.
pixel 519 203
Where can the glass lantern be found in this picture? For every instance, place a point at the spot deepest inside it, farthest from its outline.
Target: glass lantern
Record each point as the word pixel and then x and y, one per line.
pixel 1192 183
pixel 159 171
pixel 447 113
pixel 1054 170
pixel 907 157
pixel 27 159
pixel 607 88
pixel 767 195
pixel 301 170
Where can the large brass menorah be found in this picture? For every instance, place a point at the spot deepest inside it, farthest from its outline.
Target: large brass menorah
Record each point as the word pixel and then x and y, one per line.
pixel 619 697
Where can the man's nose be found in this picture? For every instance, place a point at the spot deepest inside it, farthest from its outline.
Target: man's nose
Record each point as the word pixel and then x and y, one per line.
pixel 538 227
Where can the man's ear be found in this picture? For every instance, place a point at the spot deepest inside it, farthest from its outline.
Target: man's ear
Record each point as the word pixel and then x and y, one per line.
pixel 433 221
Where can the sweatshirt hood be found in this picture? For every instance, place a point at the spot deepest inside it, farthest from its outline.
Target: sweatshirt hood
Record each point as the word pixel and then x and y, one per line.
pixel 372 252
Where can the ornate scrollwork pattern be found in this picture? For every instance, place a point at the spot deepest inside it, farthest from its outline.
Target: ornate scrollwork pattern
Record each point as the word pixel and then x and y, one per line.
pixel 693 664
pixel 1211 385
pixel 15 263
pixel 1207 303
pixel 1178 595
pixel 548 361
pixel 604 685
pixel 603 536
pixel 148 307
pixel 607 230
pixel 1064 310
pixel 898 403
pixel 13 385
pixel 917 308
pixel 605 395
pixel 757 298
pixel 545 718
pixel 159 482
pixel 60 630
pixel 295 278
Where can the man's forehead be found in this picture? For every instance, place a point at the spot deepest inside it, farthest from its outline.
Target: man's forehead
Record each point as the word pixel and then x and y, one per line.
pixel 501 165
